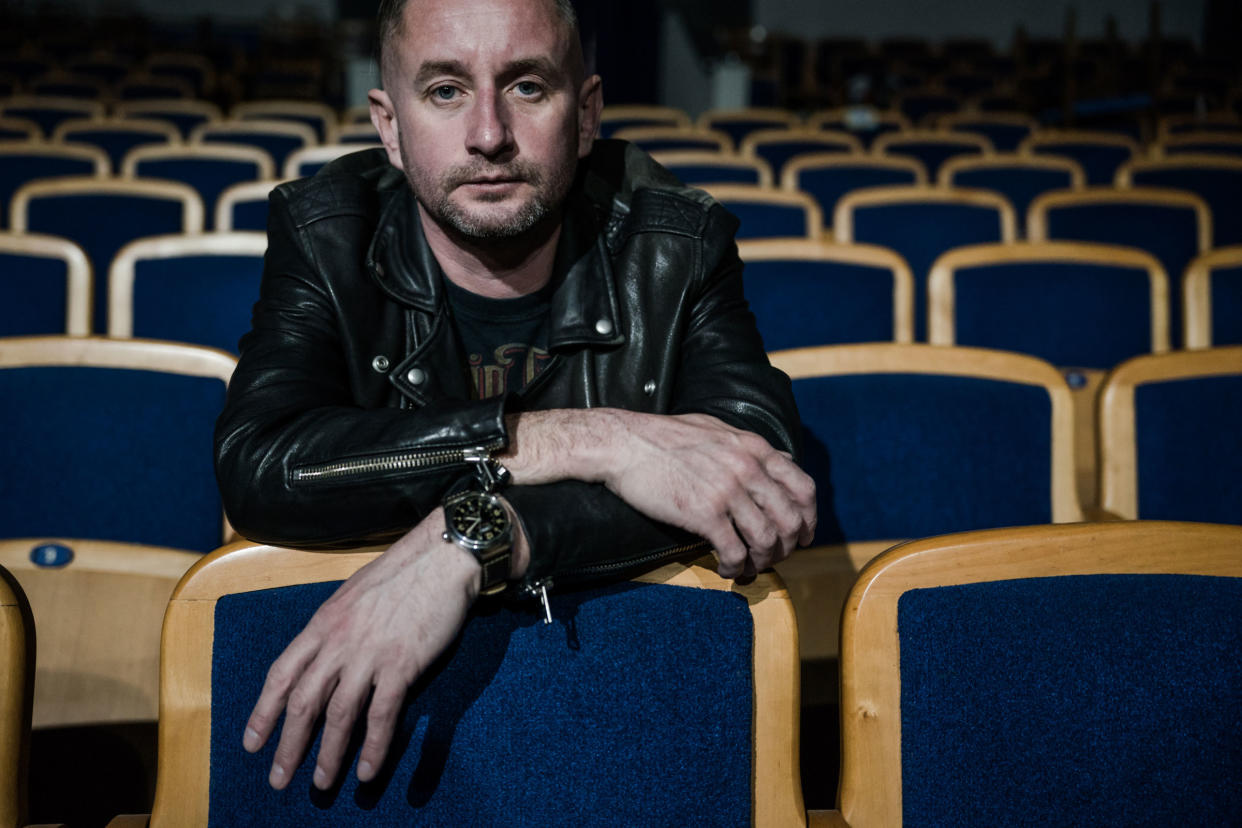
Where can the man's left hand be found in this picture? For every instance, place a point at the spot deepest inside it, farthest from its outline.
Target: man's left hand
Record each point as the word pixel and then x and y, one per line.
pixel 373 637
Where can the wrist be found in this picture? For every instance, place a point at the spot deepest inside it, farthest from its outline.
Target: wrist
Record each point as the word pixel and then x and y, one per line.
pixel 455 561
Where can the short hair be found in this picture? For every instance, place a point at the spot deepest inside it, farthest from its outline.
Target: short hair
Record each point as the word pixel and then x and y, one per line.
pixel 388 20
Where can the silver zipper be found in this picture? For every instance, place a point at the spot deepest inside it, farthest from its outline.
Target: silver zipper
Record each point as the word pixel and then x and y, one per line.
pixel 396 462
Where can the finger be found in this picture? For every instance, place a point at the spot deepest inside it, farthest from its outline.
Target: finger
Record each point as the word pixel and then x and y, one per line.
pixel 729 548
pixel 762 540
pixel 306 700
pixel 339 717
pixel 382 714
pixel 282 676
pixel 800 487
pixel 782 513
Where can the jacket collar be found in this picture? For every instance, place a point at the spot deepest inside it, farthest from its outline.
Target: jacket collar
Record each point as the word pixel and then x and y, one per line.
pixel 584 307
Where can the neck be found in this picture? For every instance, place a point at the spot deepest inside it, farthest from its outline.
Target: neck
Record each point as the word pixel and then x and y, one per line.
pixel 500 269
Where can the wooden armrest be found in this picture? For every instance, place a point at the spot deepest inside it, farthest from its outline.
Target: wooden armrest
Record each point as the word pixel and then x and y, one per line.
pixel 1097 513
pixel 826 819
pixel 130 821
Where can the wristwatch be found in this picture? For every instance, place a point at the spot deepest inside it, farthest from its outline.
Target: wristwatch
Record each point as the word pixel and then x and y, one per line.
pixel 479 523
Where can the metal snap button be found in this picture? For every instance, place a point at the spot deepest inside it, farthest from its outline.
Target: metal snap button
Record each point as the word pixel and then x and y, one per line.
pixel 649 388
pixel 416 376
pixel 380 364
pixel 603 327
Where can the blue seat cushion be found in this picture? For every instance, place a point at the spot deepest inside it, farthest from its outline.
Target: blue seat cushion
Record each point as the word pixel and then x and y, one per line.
pixel 1220 187
pixel 1226 293
pixel 109 454
pixel 632 708
pixel 210 177
pixel 800 303
pixel 910 455
pixel 1068 313
pixel 1076 700
pixel 205 300
pixel 1099 162
pixel 33 295
pixel 16 170
pixel 1189 449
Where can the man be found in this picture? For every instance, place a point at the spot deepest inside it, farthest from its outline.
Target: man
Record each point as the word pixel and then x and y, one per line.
pixel 645 416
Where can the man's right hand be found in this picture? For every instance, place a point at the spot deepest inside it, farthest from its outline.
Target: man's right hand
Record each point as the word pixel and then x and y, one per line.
pixel 693 471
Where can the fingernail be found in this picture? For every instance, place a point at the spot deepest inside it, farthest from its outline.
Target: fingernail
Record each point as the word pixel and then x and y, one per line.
pixel 365 770
pixel 321 778
pixel 277 776
pixel 251 739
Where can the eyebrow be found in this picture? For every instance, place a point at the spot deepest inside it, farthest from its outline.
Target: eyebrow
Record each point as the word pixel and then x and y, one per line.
pixel 522 66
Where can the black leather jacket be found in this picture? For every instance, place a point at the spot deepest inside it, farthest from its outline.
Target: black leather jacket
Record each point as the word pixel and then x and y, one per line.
pixel 350 409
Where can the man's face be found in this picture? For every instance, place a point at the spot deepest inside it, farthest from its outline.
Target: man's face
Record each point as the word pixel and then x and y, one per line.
pixel 483 112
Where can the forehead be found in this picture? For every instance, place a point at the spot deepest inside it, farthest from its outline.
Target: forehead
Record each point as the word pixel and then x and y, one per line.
pixel 479 33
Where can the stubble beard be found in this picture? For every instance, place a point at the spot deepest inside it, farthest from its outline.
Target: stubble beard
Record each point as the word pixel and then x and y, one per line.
pixel 436 198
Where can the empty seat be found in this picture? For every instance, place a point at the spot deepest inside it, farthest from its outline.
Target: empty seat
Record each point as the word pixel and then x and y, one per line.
pixel 1019 178
pixel 19 129
pixel 48 111
pixel 1170 447
pixel 45 286
pixel 740 123
pixel 615 118
pixel 185 115
pixel 310 160
pixel 778 147
pixel 1212 299
pixel 1004 130
pixel 922 106
pixel 932 149
pixel 22 162
pixel 1217 179
pixel 1099 153
pixel 198 289
pixel 865 122
pixel 806 293
pixel 244 206
pixel 277 138
pixel 712 167
pixel 826 177
pixel 363 133
pixel 661 139
pixel 769 213
pixel 319 117
pixel 209 169
pixel 1201 143
pixel 116 137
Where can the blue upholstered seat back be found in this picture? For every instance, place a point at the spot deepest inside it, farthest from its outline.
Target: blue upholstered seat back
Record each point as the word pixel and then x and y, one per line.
pixel 102 224
pixel 16 170
pixel 311 121
pixel 205 300
pixel 1004 137
pixel 910 455
pixel 737 130
pixel 1015 182
pixel 33 294
pixel 1229 149
pixel 689 142
pixel 827 184
pixel 777 153
pixel 250 214
pixel 209 176
pixel 1076 700
pixel 1068 313
pixel 115 142
pixel 932 153
pixel 802 303
pixel 1099 161
pixel 109 454
pixel 1226 293
pixel 922 231
pixel 705 173
pixel 1189 449
pixel 632 708
pixel 1220 187
pixel 608 128
pixel 760 220
pixel 47 116
pixel 276 144
pixel 183 121
pixel 865 132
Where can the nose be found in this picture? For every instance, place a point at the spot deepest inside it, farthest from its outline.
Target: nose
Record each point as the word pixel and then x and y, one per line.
pixel 489 132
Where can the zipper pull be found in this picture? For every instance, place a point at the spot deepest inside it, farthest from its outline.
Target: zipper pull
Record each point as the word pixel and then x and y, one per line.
pixel 492 475
pixel 539 590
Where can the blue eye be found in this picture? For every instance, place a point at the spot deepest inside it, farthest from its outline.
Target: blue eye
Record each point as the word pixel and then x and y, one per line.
pixel 528 88
pixel 444 93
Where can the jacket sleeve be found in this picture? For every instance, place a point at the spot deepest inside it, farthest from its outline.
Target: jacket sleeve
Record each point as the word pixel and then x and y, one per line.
pixel 299 462
pixel 580 531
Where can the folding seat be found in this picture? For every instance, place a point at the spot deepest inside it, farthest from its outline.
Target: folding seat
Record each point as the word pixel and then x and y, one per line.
pixel 197 289
pixel 116 137
pixel 806 293
pixel 616 118
pixel 1019 178
pixel 906 441
pixel 920 223
pixel 24 161
pixel 778 146
pixel 663 138
pixel 626 684
pixel 1172 225
pixel 277 138
pixel 826 177
pixel 183 114
pixel 103 215
pixel 45 286
pixel 769 213
pixel 1170 448
pixel 322 118
pixel 359 133
pixel 244 206
pixel 1212 299
pixel 987 675
pixel 1004 130
pixel 713 167
pixel 48 112
pixel 1217 179
pixel 209 169
pixel 930 148
pixel 17 653
pixel 1201 143
pixel 740 123
pixel 1099 153
pixel 865 122
pixel 310 160
pixel 19 129
pixel 361 114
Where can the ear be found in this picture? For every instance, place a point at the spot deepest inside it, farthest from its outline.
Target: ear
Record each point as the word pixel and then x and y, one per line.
pixel 384 117
pixel 590 105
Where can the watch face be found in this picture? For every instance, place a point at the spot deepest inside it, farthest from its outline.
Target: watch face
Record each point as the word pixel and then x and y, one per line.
pixel 479 519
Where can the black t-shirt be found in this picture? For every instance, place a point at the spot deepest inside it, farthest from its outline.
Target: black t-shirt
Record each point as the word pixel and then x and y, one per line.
pixel 506 340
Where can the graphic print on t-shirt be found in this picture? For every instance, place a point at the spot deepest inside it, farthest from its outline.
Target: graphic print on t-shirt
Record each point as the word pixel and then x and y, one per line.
pixel 511 368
